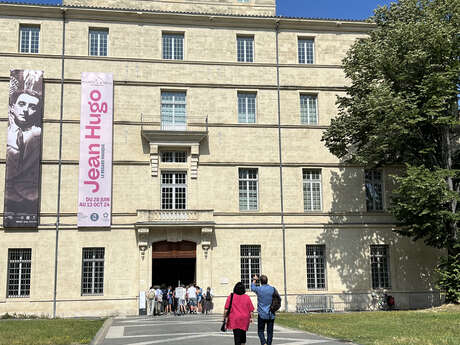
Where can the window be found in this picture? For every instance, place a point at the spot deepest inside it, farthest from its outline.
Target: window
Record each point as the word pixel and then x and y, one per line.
pixel 29 39
pixel 374 190
pixel 173 190
pixel 248 189
pixel 312 190
pixel 173 46
pixel 173 114
pixel 174 157
pixel 379 267
pixel 245 48
pixel 246 107
pixel 92 277
pixel 306 51
pixel 250 263
pixel 308 109
pixel 243 0
pixel 316 268
pixel 19 267
pixel 98 42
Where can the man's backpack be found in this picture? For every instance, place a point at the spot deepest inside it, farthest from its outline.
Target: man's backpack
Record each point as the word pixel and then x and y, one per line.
pixel 276 301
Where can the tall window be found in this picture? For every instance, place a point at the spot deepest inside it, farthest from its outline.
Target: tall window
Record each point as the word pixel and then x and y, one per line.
pixel 316 268
pixel 380 267
pixel 312 190
pixel 306 51
pixel 174 157
pixel 173 190
pixel 173 114
pixel 250 263
pixel 246 107
pixel 29 39
pixel 98 42
pixel 309 109
pixel 374 190
pixel 92 277
pixel 173 46
pixel 245 48
pixel 248 189
pixel 19 267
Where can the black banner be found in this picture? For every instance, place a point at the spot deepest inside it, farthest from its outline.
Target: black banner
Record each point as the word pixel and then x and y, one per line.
pixel 23 149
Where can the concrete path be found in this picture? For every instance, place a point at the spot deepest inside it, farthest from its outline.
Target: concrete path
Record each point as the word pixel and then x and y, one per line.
pixel 195 330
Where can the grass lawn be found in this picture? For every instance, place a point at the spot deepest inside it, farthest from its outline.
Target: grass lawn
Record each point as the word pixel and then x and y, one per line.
pixel 438 326
pixel 48 332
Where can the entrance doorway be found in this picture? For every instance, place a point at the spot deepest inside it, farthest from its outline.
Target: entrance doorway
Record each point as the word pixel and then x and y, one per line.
pixel 173 263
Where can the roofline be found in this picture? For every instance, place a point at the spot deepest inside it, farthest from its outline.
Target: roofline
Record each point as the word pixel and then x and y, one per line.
pixel 74 11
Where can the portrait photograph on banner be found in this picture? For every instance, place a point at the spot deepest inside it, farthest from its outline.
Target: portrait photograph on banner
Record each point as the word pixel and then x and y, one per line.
pixel 23 149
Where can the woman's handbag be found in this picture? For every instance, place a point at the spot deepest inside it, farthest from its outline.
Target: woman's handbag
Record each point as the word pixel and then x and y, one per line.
pixel 223 327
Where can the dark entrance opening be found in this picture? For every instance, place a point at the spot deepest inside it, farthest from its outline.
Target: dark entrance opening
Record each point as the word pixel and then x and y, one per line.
pixel 173 263
pixel 173 271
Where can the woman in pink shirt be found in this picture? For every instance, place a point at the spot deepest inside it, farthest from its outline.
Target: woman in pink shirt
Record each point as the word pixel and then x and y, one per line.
pixel 240 313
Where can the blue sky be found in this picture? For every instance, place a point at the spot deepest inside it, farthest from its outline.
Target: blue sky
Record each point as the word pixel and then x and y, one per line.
pixel 343 9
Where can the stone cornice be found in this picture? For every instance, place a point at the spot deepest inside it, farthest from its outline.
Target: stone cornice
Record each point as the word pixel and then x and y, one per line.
pixel 188 19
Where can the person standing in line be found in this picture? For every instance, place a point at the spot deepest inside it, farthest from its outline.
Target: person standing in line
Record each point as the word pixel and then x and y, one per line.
pixel 240 315
pixel 192 298
pixel 207 305
pixel 180 295
pixel 158 300
pixel 264 294
pixel 169 299
pixel 199 299
pixel 150 300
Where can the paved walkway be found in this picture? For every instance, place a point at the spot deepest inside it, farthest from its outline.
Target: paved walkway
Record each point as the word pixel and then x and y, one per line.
pixel 195 330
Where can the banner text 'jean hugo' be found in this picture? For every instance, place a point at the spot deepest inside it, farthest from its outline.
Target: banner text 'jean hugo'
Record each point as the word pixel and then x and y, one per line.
pixel 23 149
pixel 95 181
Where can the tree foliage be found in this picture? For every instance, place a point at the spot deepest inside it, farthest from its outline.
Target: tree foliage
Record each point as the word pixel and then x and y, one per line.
pixel 401 108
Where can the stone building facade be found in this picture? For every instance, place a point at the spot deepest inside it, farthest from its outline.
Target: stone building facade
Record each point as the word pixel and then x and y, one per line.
pixel 219 171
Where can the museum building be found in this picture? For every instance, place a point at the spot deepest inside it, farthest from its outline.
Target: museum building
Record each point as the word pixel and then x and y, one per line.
pixel 210 166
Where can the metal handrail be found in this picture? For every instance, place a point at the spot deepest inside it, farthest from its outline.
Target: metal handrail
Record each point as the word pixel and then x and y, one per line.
pixel 190 121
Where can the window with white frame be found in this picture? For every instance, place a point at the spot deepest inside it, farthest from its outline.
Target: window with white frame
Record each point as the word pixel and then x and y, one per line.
pixel 173 190
pixel 29 36
pixel 374 190
pixel 92 276
pixel 173 111
pixel 380 267
pixel 245 48
pixel 174 156
pixel 248 185
pixel 98 42
pixel 246 107
pixel 312 189
pixel 316 267
pixel 243 0
pixel 309 109
pixel 306 51
pixel 19 268
pixel 250 263
pixel 173 46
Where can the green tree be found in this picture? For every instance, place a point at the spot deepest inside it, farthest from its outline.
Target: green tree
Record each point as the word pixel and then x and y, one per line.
pixel 401 108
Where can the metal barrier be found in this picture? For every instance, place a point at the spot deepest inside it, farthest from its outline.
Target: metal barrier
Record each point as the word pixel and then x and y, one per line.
pixel 311 303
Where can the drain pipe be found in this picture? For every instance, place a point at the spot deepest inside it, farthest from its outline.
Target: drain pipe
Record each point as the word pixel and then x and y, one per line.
pixel 283 226
pixel 58 211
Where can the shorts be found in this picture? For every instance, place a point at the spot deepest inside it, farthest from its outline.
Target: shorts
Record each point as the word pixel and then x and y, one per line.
pixel 192 301
pixel 239 336
pixel 181 301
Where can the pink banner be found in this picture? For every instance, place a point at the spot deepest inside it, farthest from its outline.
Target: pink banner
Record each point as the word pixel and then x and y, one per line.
pixel 95 182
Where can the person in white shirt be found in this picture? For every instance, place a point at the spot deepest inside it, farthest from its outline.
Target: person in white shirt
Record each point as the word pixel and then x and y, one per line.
pixel 191 291
pixel 180 295
pixel 158 300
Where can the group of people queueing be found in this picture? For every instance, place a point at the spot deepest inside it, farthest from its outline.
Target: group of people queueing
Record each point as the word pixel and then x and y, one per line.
pixel 181 300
